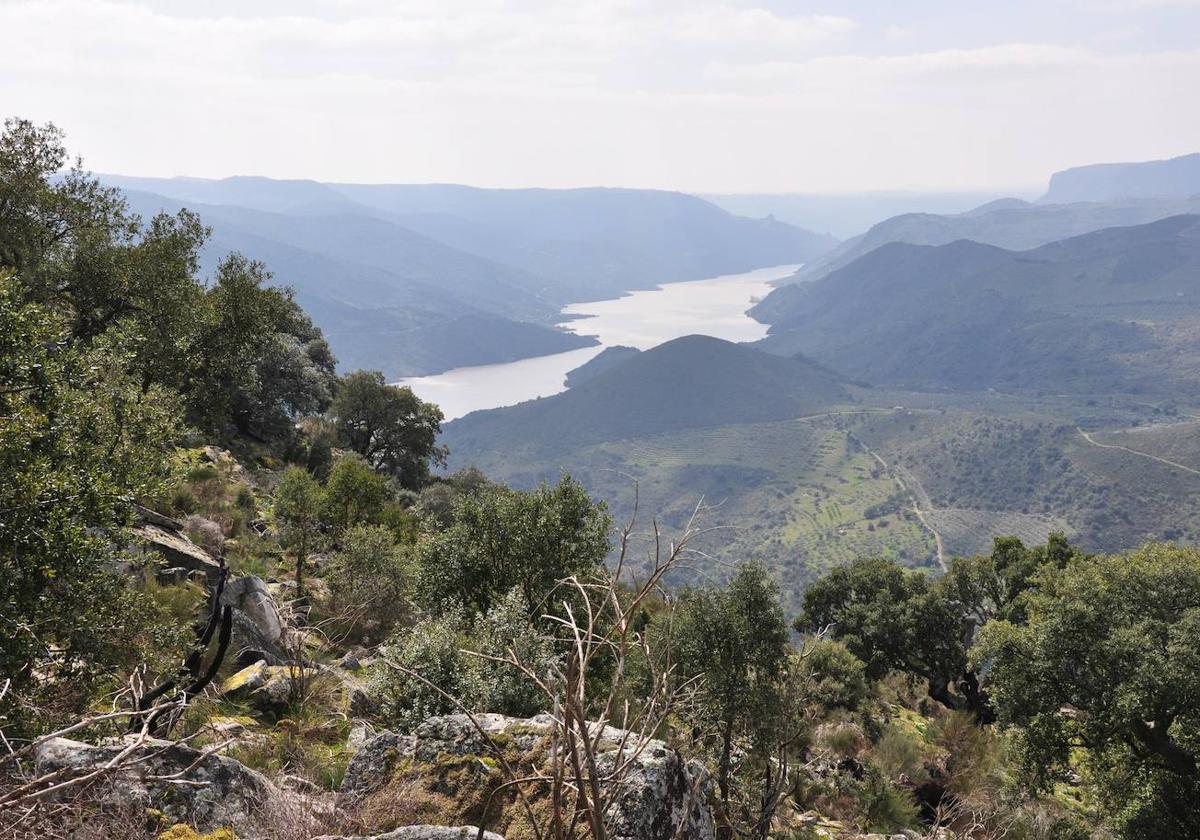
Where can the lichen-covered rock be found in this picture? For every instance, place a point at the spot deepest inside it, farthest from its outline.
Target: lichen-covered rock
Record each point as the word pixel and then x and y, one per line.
pixel 372 766
pixel 213 790
pixel 421 832
pixel 175 550
pixel 662 791
pixel 269 689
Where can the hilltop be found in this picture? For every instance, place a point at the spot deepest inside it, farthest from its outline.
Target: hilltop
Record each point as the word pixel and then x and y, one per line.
pixel 690 382
pixel 1006 223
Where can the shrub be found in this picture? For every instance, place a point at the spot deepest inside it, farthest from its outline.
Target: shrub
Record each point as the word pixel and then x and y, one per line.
pixel 834 677
pixel 431 649
pixel 884 806
pixel 900 757
pixel 369 582
pixel 182 500
pixel 206 534
pixel 494 686
pixel 974 754
pixel 354 493
pixel 842 739
pixel 203 472
pixel 244 498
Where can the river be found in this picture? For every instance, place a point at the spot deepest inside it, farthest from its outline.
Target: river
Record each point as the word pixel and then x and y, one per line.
pixel 642 319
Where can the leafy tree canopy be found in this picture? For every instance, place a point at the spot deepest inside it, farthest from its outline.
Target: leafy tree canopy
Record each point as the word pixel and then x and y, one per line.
pixel 354 494
pixel 1109 662
pixel 894 619
pixel 79 439
pixel 501 539
pixel 388 426
pixel 243 355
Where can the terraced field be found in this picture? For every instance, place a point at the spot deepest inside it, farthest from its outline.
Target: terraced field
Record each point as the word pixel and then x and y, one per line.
pixel 807 494
pixel 967 532
pixel 800 497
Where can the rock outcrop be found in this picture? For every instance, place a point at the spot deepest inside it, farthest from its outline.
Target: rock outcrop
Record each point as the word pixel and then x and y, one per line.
pixel 268 689
pixel 420 832
pixel 176 551
pixel 208 791
pixel 443 752
pixel 259 631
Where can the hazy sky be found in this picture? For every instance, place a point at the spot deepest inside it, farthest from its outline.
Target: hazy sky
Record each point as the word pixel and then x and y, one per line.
pixel 700 95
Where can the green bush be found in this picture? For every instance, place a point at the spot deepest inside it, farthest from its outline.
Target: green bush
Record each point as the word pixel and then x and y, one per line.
pixel 495 686
pixel 900 757
pixel 369 581
pixel 182 500
pixel 203 472
pixel 432 650
pixel 244 498
pixel 884 806
pixel 834 678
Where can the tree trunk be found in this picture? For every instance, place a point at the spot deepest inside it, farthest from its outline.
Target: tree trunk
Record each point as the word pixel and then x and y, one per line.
pixel 978 702
pixel 1155 737
pixel 971 698
pixel 300 566
pixel 725 831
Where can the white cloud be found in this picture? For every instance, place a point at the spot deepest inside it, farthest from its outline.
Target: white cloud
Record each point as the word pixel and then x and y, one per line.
pixel 693 94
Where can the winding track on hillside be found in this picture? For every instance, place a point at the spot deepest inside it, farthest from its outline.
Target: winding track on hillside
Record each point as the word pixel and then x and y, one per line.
pixel 1088 437
pixel 911 486
pixel 916 493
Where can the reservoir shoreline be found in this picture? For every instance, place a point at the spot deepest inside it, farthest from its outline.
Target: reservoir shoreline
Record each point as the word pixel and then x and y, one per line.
pixel 715 306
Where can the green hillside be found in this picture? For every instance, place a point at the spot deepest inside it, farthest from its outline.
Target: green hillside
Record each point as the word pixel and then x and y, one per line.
pixel 690 382
pixel 1108 312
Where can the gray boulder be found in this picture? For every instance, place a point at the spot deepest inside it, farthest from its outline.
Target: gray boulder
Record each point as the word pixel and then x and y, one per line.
pixel 175 550
pixel 662 791
pixel 207 791
pixel 421 832
pixel 259 631
pixel 372 766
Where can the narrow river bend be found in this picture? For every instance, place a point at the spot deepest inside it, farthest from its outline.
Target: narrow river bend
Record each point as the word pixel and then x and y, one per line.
pixel 643 319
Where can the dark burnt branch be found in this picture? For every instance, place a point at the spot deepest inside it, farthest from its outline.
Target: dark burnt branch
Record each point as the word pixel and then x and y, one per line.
pixel 191 669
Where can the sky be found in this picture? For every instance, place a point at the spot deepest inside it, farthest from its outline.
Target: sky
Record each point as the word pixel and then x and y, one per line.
pixel 695 95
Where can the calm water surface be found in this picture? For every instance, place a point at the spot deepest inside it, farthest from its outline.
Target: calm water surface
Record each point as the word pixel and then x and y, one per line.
pixel 644 319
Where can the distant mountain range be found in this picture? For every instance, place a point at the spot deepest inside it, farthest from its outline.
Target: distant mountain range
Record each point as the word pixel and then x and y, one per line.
pixel 1008 223
pixel 848 214
pixel 417 279
pixel 1178 177
pixel 981 365
pixel 1116 310
pixel 935 383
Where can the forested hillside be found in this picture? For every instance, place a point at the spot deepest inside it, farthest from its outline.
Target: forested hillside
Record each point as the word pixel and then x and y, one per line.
pixel 688 382
pixel 1108 312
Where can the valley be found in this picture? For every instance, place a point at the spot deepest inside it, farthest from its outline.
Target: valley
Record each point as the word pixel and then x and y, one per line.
pixel 639 320
pixel 419 279
pixel 950 394
pixel 710 420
